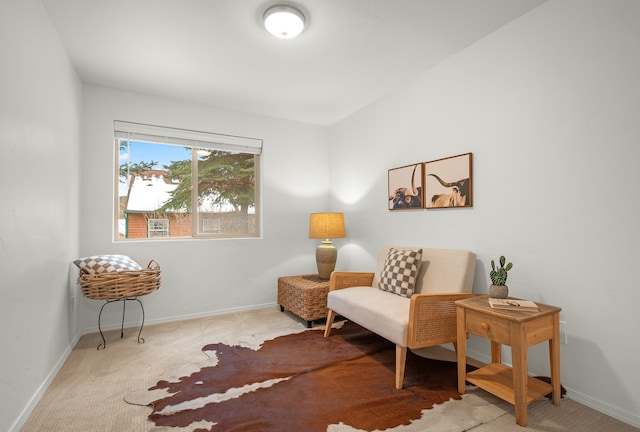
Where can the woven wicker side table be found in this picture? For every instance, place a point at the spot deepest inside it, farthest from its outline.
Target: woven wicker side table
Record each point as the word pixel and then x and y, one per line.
pixel 304 295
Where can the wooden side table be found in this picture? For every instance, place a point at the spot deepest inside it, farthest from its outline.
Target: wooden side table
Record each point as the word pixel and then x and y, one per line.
pixel 304 295
pixel 520 330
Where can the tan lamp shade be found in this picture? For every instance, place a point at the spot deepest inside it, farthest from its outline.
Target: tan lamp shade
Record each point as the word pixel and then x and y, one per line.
pixel 326 226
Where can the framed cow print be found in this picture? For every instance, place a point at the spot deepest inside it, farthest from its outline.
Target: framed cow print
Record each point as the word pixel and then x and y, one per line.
pixel 448 182
pixel 406 187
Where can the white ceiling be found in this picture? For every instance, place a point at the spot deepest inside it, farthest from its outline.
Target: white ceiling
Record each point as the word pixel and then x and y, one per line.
pixel 216 52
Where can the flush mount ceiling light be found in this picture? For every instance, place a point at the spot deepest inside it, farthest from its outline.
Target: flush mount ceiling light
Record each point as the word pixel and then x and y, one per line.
pixel 283 21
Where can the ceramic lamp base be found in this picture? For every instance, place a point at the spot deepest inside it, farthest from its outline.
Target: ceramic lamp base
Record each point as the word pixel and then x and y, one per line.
pixel 326 256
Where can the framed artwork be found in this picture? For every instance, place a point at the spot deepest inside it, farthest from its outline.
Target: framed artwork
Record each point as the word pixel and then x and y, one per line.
pixel 448 182
pixel 406 188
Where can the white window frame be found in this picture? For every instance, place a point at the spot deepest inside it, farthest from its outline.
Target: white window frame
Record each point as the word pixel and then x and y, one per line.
pixel 195 139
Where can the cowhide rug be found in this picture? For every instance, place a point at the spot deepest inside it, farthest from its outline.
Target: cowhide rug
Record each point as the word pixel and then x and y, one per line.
pixel 302 382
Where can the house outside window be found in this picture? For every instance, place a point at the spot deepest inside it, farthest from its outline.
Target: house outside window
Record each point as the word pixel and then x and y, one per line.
pixel 156 170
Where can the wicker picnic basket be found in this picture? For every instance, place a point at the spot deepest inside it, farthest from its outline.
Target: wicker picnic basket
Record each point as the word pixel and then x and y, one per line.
pixel 120 284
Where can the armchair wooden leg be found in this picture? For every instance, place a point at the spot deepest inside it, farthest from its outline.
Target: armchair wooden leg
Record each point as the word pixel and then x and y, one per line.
pixel 401 359
pixel 330 317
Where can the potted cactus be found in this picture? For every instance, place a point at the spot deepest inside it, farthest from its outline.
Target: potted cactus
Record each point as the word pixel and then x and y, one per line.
pixel 498 276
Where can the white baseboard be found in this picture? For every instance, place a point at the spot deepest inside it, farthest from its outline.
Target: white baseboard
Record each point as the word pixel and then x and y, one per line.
pixel 598 405
pixel 33 402
pixel 39 393
pixel 605 408
pixel 94 329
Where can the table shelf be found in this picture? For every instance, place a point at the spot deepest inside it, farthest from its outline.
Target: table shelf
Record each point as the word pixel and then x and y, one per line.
pixel 497 379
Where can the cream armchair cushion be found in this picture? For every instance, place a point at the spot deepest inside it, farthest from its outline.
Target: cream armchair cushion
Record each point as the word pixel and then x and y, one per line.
pixel 369 307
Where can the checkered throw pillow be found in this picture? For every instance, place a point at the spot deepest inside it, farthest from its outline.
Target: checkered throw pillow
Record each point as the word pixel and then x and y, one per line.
pixel 106 263
pixel 400 271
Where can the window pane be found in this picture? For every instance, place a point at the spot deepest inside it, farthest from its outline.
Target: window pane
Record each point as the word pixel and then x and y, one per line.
pixel 146 186
pixel 155 191
pixel 226 193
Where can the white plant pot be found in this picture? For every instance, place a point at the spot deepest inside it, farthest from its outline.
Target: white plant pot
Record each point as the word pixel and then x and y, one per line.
pixel 498 291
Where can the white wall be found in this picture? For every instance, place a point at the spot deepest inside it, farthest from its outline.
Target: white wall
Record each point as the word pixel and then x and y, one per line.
pixel 549 106
pixel 202 277
pixel 39 129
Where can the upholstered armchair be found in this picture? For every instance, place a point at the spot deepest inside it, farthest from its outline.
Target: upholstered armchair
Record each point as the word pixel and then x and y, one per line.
pixel 408 300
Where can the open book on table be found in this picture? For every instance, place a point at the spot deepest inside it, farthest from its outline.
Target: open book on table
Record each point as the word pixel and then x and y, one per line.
pixel 512 304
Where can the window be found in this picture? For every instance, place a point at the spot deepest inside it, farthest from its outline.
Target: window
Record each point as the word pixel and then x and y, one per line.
pixel 156 170
pixel 211 225
pixel 158 228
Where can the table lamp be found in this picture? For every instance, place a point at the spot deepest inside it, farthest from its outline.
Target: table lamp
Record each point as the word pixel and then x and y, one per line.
pixel 326 226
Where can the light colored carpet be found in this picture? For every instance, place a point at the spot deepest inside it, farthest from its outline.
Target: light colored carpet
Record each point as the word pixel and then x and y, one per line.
pixel 87 394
